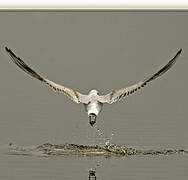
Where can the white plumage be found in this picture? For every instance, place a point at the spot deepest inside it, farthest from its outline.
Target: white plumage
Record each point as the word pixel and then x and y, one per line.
pixel 93 102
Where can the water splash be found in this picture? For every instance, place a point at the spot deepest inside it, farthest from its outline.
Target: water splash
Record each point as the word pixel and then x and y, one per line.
pixel 102 139
pixel 48 149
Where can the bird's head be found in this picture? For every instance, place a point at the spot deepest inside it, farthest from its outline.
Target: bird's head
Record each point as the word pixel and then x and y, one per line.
pixel 92 118
pixel 93 91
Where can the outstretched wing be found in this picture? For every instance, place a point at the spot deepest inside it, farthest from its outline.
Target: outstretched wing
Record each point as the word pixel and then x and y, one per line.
pixel 121 93
pixel 72 94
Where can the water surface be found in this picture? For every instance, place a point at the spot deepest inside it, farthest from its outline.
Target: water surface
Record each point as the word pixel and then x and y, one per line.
pixel 93 50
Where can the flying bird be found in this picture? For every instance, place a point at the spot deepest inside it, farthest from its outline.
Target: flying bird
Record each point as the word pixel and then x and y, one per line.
pixel 93 102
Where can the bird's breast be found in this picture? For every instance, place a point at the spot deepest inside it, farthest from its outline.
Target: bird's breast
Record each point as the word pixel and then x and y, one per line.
pixel 94 107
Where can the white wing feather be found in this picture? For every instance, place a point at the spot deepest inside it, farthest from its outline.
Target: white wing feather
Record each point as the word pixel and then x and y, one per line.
pixel 121 93
pixel 72 94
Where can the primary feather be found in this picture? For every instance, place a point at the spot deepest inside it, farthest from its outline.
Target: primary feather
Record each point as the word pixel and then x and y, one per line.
pixel 72 94
pixel 116 95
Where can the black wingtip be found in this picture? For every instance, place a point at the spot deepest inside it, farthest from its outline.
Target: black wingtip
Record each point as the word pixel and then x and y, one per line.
pixel 179 51
pixel 10 52
pixel 6 48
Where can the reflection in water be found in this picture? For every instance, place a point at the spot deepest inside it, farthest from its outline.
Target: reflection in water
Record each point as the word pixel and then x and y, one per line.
pixel 107 150
pixel 104 148
pixel 92 174
pixel 99 139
